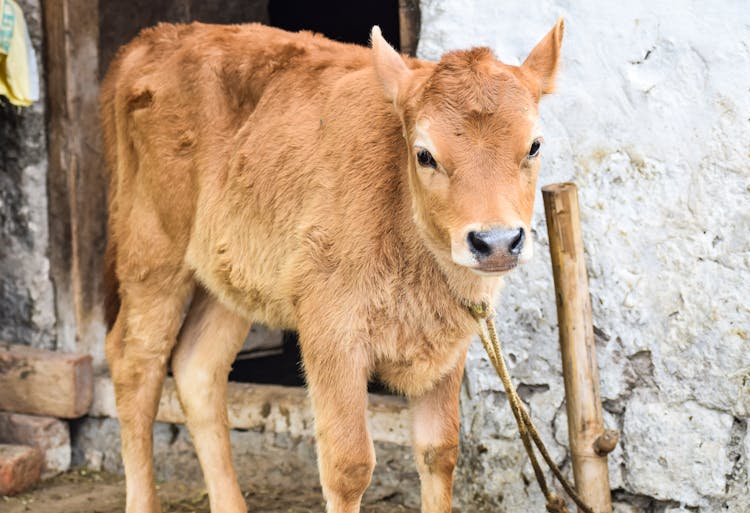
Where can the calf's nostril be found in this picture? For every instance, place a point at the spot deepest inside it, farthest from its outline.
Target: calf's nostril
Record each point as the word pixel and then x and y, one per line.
pixel 516 245
pixel 478 245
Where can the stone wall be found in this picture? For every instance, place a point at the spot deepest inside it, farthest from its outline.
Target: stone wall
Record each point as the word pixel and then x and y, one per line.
pixel 26 293
pixel 651 121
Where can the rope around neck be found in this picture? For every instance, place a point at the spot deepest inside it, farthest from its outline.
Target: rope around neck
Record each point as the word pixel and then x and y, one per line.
pixel 527 430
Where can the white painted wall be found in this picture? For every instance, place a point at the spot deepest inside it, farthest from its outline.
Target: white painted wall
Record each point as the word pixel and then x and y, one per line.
pixel 652 121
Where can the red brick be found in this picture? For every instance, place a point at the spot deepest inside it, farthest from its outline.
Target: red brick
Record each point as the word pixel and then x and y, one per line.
pixel 20 468
pixel 49 434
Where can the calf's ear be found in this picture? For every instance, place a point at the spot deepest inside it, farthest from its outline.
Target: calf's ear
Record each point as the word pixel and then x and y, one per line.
pixel 389 65
pixel 542 62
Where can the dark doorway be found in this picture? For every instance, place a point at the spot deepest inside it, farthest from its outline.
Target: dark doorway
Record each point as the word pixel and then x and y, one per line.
pixel 342 20
pixel 280 365
pixel 119 21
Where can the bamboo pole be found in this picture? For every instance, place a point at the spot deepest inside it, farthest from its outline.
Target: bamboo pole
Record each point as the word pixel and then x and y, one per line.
pixel 589 441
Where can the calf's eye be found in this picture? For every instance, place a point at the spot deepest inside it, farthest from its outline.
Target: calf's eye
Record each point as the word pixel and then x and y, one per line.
pixel 535 146
pixel 426 159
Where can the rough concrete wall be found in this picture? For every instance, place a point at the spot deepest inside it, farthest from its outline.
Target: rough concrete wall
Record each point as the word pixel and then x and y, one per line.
pixel 651 120
pixel 26 293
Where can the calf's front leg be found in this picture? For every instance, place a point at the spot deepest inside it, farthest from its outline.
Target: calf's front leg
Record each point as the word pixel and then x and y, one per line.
pixel 435 433
pixel 337 381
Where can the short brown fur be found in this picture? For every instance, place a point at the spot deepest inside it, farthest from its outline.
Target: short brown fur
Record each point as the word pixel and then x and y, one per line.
pixel 264 176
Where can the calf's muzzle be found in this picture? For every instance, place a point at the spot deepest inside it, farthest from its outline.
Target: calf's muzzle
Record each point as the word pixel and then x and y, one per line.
pixel 496 243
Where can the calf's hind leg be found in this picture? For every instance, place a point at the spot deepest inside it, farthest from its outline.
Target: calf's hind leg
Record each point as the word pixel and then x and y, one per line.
pixel 138 347
pixel 210 338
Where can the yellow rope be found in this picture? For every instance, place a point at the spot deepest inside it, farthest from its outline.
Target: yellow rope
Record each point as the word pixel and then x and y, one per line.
pixel 526 428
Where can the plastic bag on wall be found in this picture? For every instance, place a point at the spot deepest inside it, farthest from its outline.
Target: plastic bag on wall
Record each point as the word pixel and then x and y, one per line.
pixel 19 78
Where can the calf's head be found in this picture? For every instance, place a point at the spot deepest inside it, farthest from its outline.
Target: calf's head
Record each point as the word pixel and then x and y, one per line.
pixel 470 123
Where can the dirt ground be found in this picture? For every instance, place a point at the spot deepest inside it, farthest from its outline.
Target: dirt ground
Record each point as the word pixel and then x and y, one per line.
pixel 91 492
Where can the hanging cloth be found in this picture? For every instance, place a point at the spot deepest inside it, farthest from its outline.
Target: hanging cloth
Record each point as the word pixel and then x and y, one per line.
pixel 19 78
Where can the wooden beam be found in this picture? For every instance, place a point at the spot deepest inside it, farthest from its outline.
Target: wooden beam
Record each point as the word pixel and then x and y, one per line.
pixel 410 19
pixel 76 176
pixel 44 382
pixel 588 440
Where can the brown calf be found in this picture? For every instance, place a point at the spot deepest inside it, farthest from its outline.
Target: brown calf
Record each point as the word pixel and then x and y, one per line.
pixel 355 195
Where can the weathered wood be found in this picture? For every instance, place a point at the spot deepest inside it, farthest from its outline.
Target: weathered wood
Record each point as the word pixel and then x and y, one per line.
pixel 48 434
pixel 44 382
pixel 410 20
pixel 581 374
pixel 270 408
pixel 76 175
pixel 20 467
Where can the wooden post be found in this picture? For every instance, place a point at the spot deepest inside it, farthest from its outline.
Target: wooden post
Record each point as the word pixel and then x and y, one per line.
pixel 589 442
pixel 76 176
pixel 409 24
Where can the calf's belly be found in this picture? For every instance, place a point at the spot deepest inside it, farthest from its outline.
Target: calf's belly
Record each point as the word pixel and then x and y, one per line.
pixel 247 277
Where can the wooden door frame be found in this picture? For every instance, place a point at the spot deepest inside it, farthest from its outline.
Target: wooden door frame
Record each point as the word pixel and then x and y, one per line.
pixel 77 178
pixel 76 175
pixel 410 22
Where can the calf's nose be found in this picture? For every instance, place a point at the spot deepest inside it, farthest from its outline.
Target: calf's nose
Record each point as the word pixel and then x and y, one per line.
pixel 484 244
